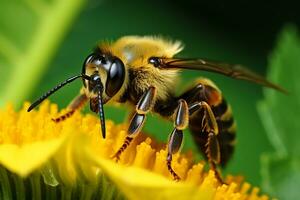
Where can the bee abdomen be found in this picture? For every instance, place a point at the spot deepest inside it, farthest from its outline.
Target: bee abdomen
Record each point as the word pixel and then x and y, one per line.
pixel 226 126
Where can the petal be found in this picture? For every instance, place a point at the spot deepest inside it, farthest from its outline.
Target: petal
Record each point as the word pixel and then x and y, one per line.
pixel 137 183
pixel 24 159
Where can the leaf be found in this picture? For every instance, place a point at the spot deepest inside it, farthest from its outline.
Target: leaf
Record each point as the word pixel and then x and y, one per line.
pixel 281 176
pixel 30 32
pixel 280 112
pixel 280 115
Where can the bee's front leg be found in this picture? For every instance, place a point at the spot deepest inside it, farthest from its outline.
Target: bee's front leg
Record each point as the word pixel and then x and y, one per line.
pixel 144 105
pixel 76 104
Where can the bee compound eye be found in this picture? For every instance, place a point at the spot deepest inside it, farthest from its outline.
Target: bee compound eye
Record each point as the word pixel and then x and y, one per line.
pixel 155 61
pixel 115 77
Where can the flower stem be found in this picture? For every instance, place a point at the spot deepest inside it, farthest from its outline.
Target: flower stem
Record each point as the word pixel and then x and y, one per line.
pixel 13 186
pixel 5 185
pixel 19 187
pixel 35 180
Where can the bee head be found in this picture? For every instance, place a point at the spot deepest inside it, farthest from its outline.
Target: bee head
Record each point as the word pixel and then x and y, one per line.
pixel 106 73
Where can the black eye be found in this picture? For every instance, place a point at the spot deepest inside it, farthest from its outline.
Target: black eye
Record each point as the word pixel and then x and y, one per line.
pixel 155 61
pixel 115 77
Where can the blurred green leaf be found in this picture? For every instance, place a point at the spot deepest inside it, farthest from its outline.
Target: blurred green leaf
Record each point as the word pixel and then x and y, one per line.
pixel 280 115
pixel 281 176
pixel 30 32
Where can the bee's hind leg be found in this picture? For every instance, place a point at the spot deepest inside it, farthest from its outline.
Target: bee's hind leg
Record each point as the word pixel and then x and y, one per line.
pixel 144 105
pixel 209 126
pixel 76 104
pixel 213 154
pixel 197 98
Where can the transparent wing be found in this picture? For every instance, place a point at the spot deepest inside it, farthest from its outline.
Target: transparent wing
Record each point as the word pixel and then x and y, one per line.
pixel 231 70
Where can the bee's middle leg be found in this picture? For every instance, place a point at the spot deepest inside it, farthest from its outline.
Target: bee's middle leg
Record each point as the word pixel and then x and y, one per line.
pixel 181 119
pixel 144 105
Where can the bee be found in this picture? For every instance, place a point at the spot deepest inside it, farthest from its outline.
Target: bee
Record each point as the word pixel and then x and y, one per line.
pixel 143 71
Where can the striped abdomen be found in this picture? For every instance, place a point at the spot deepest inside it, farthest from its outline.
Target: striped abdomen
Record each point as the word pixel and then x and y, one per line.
pixel 225 121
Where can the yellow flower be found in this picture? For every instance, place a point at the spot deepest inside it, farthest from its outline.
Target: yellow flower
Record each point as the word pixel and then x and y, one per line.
pixel 44 160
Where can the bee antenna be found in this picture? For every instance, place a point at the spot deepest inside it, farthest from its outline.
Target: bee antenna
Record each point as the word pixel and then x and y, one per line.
pixel 101 113
pixel 50 92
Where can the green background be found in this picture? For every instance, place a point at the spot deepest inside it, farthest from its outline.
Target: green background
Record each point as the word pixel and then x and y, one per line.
pixel 234 32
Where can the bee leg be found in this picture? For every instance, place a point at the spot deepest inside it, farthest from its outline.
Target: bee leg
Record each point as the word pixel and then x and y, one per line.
pixel 213 154
pixel 209 125
pixel 136 124
pixel 181 119
pixel 144 105
pixel 194 94
pixel 76 104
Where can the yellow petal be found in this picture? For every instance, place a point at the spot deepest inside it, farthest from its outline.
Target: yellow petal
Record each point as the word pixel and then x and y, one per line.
pixel 28 140
pixel 137 183
pixel 74 152
pixel 24 159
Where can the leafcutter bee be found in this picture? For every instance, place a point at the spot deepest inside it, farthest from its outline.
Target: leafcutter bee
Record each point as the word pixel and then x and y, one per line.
pixel 143 71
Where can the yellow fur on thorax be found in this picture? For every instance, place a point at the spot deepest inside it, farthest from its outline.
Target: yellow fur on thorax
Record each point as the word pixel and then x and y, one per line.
pixel 135 51
pixel 142 47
